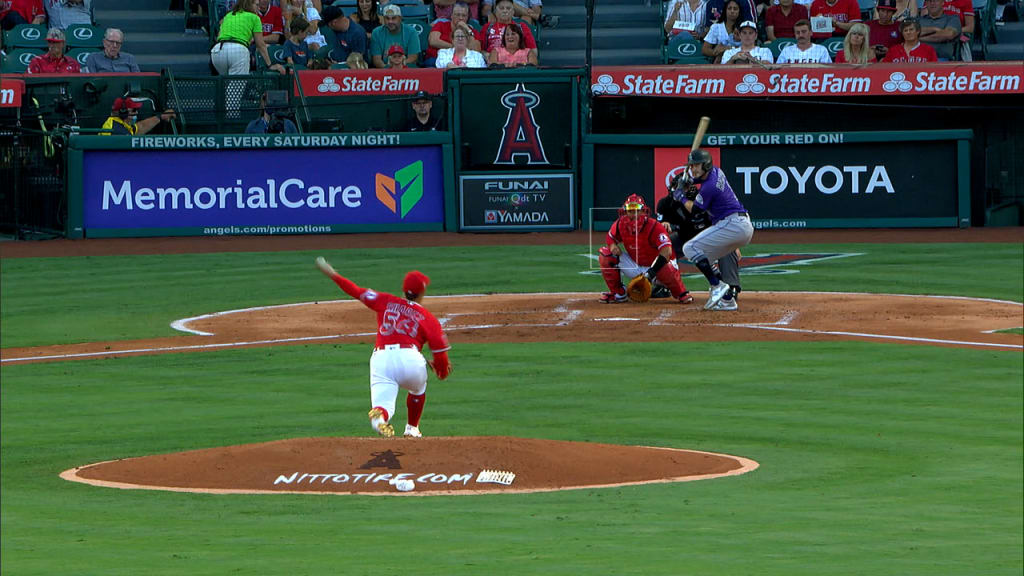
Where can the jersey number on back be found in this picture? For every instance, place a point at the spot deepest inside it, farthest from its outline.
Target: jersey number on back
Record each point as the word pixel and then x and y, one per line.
pixel 395 322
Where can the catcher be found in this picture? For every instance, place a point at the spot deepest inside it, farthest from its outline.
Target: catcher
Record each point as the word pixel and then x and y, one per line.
pixel 638 246
pixel 683 225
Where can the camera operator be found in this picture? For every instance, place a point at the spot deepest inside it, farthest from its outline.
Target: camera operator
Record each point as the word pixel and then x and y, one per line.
pixel 273 115
pixel 124 119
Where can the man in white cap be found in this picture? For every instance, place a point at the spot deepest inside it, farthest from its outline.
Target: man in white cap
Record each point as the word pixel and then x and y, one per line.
pixel 54 61
pixel 748 52
pixel 392 33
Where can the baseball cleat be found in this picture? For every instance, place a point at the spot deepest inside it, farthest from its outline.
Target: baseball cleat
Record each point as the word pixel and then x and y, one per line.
pixel 685 298
pixel 613 298
pixel 715 294
pixel 660 291
pixel 379 424
pixel 412 431
pixel 724 304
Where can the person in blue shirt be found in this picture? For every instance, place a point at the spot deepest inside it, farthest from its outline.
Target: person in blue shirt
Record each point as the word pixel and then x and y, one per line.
pixel 273 106
pixel 349 37
pixel 705 188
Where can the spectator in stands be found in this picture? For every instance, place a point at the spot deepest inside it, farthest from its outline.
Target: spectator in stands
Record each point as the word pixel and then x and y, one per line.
pixel 394 33
pixel 460 55
pixel 64 13
pixel 856 49
pixel 688 15
pixel 714 11
pixel 842 13
pixel 111 59
pixel 273 22
pixel 963 9
pixel 53 61
pixel 748 52
pixel 513 50
pixel 348 36
pixel 527 10
pixel 804 51
pixel 271 119
pixel 494 32
pixel 294 8
pixel 396 57
pixel 911 49
pixel 366 16
pixel 885 32
pixel 14 12
pixel 780 18
pixel 422 120
pixel 903 9
pixel 124 119
pixel 295 49
pixel 939 29
pixel 238 29
pixel 725 34
pixel 441 33
pixel 443 9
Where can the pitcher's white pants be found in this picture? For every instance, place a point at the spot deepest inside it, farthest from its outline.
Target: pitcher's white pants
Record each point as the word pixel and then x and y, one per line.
pixel 393 368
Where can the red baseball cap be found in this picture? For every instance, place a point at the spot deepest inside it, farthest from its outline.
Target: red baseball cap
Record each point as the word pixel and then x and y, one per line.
pixel 396 49
pixel 125 103
pixel 415 282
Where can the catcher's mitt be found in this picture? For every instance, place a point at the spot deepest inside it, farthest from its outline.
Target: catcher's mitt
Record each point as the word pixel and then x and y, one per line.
pixel 639 289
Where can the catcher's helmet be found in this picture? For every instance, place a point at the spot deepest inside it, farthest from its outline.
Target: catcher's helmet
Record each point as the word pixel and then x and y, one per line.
pixel 635 207
pixel 702 157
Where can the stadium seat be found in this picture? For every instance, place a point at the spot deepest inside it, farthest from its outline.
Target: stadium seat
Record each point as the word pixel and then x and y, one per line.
pixel 16 61
pixel 534 29
pixel 406 2
pixel 84 36
pixel 339 66
pixel 833 45
pixel 414 11
pixel 81 54
pixel 345 4
pixel 26 36
pixel 777 45
pixel 684 49
pixel 866 8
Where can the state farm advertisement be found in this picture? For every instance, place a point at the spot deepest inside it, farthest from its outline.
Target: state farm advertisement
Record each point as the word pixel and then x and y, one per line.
pixel 797 80
pixel 371 82
pixel 11 92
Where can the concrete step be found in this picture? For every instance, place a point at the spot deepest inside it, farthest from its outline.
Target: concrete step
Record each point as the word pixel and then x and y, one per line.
pixel 1003 51
pixel 168 43
pixel 1011 32
pixel 603 38
pixel 134 4
pixel 132 22
pixel 603 57
pixel 181 64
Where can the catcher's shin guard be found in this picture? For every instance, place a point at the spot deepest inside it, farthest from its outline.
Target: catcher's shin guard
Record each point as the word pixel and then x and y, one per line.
pixel 610 270
pixel 669 277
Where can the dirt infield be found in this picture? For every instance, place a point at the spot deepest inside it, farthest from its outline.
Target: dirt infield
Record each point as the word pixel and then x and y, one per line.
pixel 437 466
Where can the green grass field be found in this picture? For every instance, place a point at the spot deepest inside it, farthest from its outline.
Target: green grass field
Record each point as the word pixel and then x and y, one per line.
pixel 875 458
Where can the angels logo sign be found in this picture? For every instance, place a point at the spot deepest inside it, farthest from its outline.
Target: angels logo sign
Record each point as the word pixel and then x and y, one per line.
pixel 521 134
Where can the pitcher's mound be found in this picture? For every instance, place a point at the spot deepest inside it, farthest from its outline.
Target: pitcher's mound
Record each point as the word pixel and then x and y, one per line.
pixel 441 465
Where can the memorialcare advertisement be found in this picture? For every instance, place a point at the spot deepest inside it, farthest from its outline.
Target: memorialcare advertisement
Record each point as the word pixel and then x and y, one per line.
pixel 284 191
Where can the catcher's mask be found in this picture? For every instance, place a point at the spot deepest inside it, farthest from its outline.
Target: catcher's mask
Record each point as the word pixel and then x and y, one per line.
pixel 635 210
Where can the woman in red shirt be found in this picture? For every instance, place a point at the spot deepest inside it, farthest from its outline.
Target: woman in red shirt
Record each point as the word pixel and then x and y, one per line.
pixel 911 50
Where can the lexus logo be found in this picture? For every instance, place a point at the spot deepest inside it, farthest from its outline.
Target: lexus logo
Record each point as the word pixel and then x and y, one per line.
pixel 82 33
pixel 688 49
pixel 31 33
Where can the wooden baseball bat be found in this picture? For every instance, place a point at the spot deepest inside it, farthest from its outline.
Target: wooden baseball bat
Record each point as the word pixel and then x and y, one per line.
pixel 698 136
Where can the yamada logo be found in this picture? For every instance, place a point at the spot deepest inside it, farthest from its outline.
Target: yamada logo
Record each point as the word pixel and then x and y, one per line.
pixel 403 191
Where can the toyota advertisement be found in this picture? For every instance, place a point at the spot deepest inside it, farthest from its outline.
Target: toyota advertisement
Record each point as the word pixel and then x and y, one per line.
pixel 808 184
pixel 262 191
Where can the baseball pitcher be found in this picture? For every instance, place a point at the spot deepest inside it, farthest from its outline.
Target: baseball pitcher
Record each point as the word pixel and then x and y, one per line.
pixel 706 189
pixel 403 327
pixel 639 247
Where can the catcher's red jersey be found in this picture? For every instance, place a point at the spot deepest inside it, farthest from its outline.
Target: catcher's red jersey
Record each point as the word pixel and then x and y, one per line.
pixel 399 321
pixel 642 244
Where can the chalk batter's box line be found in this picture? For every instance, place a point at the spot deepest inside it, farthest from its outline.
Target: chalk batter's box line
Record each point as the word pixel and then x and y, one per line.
pixel 590 237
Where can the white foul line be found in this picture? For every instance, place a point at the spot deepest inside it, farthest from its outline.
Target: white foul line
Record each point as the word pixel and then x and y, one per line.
pixel 879 336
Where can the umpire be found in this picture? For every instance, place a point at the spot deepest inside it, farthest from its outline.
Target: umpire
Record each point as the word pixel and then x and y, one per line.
pixel 685 225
